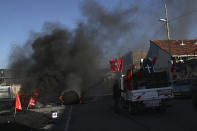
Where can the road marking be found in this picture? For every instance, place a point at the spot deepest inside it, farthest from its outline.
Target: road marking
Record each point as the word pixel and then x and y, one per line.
pixel 100 95
pixel 68 119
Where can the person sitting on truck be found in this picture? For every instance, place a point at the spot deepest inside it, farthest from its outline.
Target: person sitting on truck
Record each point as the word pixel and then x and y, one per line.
pixel 129 79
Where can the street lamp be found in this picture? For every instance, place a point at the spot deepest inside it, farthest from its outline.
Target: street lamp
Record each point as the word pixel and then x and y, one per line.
pixel 163 20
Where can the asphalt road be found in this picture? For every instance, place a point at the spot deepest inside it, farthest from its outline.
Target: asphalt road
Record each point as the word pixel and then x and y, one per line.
pixel 98 115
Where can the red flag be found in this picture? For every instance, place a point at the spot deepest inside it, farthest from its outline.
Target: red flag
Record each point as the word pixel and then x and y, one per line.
pixel 116 65
pixel 18 103
pixel 32 102
pixel 154 60
pixel 128 80
pixel 129 75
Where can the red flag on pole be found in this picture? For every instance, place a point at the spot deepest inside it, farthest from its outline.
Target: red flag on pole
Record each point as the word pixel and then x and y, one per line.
pixel 32 102
pixel 18 103
pixel 116 65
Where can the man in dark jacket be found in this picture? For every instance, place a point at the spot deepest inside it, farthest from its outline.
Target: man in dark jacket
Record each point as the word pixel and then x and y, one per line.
pixel 116 95
pixel 194 98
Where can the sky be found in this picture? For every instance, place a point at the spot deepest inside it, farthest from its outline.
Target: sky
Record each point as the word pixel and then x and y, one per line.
pixel 18 18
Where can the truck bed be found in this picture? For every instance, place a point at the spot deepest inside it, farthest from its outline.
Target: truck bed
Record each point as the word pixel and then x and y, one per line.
pixel 148 94
pixel 152 94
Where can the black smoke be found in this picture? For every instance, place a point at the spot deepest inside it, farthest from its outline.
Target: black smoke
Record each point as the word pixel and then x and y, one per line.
pixel 130 25
pixel 58 58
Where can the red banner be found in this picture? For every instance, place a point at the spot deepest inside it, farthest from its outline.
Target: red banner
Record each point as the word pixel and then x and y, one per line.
pixel 116 65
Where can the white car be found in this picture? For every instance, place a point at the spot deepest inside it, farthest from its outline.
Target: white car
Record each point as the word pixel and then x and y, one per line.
pixel 182 88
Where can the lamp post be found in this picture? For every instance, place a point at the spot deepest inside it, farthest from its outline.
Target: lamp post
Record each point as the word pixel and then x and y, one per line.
pixel 168 34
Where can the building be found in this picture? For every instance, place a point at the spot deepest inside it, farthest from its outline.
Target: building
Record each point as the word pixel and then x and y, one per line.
pixel 133 58
pixel 10 81
pixel 9 77
pixel 181 51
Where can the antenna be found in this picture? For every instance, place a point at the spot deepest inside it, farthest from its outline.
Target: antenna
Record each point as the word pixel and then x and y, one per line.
pixel 182 44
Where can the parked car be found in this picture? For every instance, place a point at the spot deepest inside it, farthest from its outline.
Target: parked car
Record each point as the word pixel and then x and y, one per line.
pixel 182 88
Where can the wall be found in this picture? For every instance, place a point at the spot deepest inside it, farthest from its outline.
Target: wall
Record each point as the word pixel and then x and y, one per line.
pixel 127 61
pixel 162 57
pixel 14 89
pixel 4 92
pixel 133 57
pixel 137 56
pixel 9 91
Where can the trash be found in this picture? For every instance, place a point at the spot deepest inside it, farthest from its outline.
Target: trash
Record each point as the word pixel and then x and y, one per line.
pixel 54 115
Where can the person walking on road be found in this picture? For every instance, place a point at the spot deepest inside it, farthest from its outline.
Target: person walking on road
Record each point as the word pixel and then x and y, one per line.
pixel 194 99
pixel 116 96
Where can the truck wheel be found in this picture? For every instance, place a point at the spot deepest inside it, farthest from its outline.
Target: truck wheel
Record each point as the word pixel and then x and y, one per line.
pixel 123 103
pixel 163 107
pixel 132 108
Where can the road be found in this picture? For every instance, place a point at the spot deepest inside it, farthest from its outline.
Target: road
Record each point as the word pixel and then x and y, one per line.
pixel 98 115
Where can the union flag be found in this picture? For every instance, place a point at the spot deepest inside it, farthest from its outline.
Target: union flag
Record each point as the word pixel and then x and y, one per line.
pixel 116 65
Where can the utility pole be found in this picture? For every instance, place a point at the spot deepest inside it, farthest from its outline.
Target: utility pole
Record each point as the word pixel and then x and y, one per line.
pixel 168 34
pixel 169 47
pixel 168 30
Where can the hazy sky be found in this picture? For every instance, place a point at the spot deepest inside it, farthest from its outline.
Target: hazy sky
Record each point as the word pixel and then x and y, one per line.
pixel 19 17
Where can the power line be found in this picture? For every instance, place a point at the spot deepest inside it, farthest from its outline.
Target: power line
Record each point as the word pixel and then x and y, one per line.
pixel 186 14
pixel 158 31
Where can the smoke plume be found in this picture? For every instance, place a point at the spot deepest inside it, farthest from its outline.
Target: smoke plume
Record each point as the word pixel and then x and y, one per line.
pixel 58 59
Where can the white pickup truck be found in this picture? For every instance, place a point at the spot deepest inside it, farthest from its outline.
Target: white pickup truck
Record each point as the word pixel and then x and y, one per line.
pixel 144 97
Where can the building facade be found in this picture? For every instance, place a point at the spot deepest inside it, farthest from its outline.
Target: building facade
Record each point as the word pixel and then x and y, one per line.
pixel 181 52
pixel 133 58
pixel 10 80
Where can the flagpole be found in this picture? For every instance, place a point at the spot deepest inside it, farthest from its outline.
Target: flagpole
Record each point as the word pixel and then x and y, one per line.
pixel 14 113
pixel 121 69
pixel 17 105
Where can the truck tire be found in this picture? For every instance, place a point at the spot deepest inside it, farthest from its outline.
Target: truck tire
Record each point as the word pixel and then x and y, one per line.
pixel 123 103
pixel 162 107
pixel 132 108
